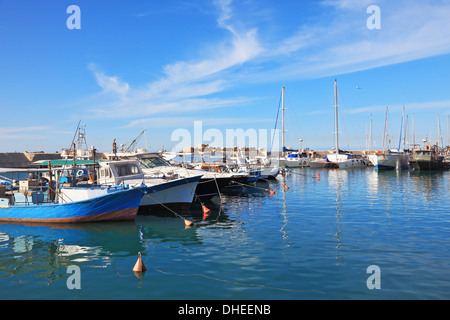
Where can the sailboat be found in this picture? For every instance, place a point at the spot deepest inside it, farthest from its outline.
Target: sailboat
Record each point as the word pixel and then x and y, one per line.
pixel 334 160
pixel 389 159
pixel 290 158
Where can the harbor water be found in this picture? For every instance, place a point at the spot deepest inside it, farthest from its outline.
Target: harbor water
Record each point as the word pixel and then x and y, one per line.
pixel 317 239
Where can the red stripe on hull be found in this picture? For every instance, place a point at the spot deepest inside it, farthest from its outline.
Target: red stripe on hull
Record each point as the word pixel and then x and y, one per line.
pixel 118 215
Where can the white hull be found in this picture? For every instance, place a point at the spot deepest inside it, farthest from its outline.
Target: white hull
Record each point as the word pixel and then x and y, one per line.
pixel 180 195
pixel 353 163
pixel 269 172
pixel 389 161
pixel 293 162
pixel 172 193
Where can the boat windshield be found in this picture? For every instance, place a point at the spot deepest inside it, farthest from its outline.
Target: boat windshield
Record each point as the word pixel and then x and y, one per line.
pixel 154 162
pixel 127 169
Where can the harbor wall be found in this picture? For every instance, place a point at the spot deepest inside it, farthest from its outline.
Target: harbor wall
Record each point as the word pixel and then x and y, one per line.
pixel 24 159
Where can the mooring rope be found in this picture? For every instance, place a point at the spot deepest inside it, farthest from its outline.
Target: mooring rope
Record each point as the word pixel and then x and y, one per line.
pixel 228 281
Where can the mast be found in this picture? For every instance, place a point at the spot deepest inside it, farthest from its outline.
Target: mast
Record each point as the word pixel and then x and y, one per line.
pixel 448 130
pixel 405 128
pixel 385 133
pixel 336 118
pixel 414 134
pixel 282 120
pixel 401 129
pixel 406 138
pixel 439 131
pixel 370 134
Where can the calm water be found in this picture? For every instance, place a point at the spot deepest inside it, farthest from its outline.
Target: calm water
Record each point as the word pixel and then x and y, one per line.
pixel 312 241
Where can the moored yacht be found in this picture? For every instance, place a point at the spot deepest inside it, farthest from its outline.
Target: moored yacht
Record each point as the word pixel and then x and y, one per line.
pixel 172 192
pixel 153 165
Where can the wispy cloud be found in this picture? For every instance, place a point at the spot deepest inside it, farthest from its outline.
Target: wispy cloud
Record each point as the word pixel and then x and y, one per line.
pixel 5 130
pixel 339 42
pixel 33 132
pixel 188 122
pixel 410 107
pixel 185 84
pixel 109 84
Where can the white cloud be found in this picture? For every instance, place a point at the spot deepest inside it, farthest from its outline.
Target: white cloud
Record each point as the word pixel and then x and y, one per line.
pixel 9 134
pixel 188 122
pixel 348 4
pixel 110 84
pixel 339 42
pixel 6 130
pixel 184 82
pixel 410 107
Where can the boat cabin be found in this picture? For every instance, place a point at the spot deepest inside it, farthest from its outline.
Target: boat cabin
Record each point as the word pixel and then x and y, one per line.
pixel 120 172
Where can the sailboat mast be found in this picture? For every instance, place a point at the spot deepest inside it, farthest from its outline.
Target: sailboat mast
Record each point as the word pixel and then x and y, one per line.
pixel 448 130
pixel 439 132
pixel 401 129
pixel 413 131
pixel 385 133
pixel 282 119
pixel 370 132
pixel 336 117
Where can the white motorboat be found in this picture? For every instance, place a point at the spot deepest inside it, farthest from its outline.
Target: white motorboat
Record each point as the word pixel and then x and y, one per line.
pixel 253 168
pixel 174 193
pixel 294 160
pixel 353 163
pixel 214 179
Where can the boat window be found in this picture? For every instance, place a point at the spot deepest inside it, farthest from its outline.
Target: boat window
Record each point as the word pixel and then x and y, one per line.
pixel 135 169
pixel 127 169
pixel 154 162
pixel 105 173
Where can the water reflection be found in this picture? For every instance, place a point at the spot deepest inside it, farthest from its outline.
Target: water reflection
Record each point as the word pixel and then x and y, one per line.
pixel 336 179
pixel 428 183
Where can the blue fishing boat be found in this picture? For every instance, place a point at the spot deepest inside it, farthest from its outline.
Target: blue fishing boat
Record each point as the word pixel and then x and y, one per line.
pixel 117 204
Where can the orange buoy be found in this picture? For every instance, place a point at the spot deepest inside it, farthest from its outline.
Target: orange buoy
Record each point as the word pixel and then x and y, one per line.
pixel 272 192
pixel 205 210
pixel 188 223
pixel 139 266
pixel 286 187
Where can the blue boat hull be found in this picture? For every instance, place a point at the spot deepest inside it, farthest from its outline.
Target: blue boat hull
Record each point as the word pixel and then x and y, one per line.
pixel 115 206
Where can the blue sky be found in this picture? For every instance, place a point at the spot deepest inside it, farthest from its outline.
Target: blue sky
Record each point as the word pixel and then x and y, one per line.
pixel 164 64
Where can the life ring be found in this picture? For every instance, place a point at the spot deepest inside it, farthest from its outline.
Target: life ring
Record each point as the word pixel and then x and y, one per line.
pixel 81 172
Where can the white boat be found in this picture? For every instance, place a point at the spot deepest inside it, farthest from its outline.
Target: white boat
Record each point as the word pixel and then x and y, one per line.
pixel 294 160
pixel 252 168
pixel 213 181
pixel 173 193
pixel 289 158
pixel 353 163
pixel 337 159
pixel 389 159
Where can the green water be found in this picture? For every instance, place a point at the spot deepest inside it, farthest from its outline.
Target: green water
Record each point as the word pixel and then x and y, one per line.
pixel 312 241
